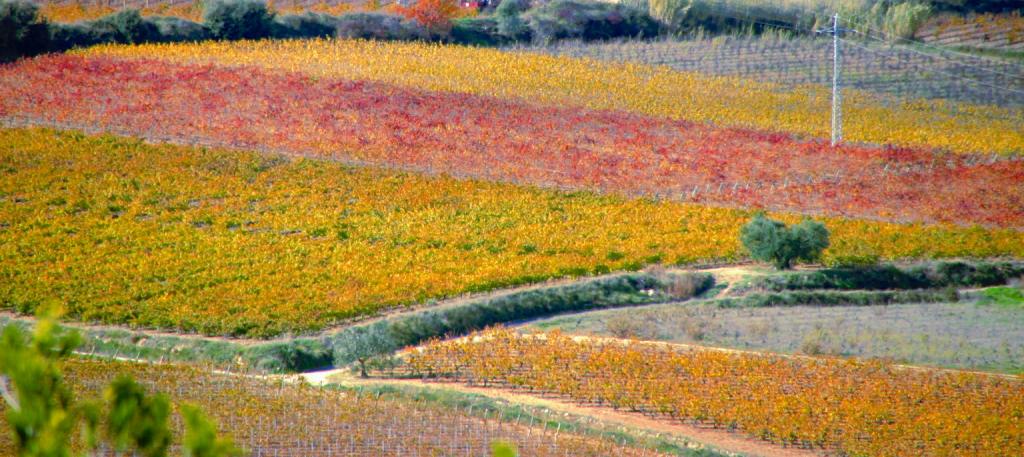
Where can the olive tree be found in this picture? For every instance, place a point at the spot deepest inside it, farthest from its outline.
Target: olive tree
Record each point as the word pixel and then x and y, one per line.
pixel 771 241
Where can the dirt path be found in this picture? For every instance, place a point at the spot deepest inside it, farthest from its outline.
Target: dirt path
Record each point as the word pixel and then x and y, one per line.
pixel 729 442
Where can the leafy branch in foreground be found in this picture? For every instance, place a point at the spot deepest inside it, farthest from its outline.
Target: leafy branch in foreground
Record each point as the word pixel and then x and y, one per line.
pixel 44 414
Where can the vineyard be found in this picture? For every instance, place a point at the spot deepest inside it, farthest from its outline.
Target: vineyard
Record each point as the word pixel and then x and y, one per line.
pixel 993 31
pixel 846 406
pixel 276 419
pixel 354 187
pixel 176 237
pixel 877 68
pixel 364 123
pixel 640 89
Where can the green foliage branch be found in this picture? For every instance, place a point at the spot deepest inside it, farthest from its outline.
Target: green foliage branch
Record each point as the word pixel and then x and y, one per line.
pixel 46 419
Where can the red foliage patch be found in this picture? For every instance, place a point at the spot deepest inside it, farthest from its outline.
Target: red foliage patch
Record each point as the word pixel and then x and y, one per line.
pixel 486 138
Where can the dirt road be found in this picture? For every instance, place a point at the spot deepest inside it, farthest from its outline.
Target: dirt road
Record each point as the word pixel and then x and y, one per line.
pixel 719 439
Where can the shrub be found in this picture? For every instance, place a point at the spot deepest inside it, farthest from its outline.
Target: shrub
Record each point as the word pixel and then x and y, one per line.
pixel 624 326
pixel 903 19
pixel 305 25
pixel 292 356
pixel 67 36
pixel 125 26
pixel 22 31
pixel 238 19
pixel 175 29
pixel 879 277
pixel 836 298
pixel 589 21
pixel 771 241
pixel 512 7
pixel 480 31
pixel 510 22
pixel 378 26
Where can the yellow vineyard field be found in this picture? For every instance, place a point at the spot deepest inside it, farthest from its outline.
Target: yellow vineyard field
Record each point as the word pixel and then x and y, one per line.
pixel 227 242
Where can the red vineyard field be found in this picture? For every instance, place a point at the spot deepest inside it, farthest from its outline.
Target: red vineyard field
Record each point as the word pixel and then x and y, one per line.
pixel 473 136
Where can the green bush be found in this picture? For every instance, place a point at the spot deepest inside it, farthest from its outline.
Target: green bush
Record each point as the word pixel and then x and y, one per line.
pixel 771 241
pixel 903 19
pixel 238 19
pixel 22 31
pixel 837 298
pixel 175 29
pixel 127 27
pixel 379 26
pixel 510 22
pixel 585 20
pixel 932 275
pixel 69 36
pixel 477 31
pixel 305 25
pixel 291 356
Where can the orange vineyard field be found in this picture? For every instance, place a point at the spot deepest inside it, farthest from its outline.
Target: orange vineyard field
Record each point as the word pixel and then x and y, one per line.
pixel 852 407
pixel 275 419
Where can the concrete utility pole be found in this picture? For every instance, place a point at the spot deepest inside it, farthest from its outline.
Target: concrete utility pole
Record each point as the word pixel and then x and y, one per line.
pixel 837 96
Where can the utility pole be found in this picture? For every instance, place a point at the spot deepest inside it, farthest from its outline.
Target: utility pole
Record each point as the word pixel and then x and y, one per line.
pixel 837 97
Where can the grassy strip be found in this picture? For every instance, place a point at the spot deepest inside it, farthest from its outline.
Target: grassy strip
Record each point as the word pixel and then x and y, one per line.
pixel 387 335
pixel 361 342
pixel 489 407
pixel 881 277
pixel 288 355
pixel 1005 296
pixel 838 298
